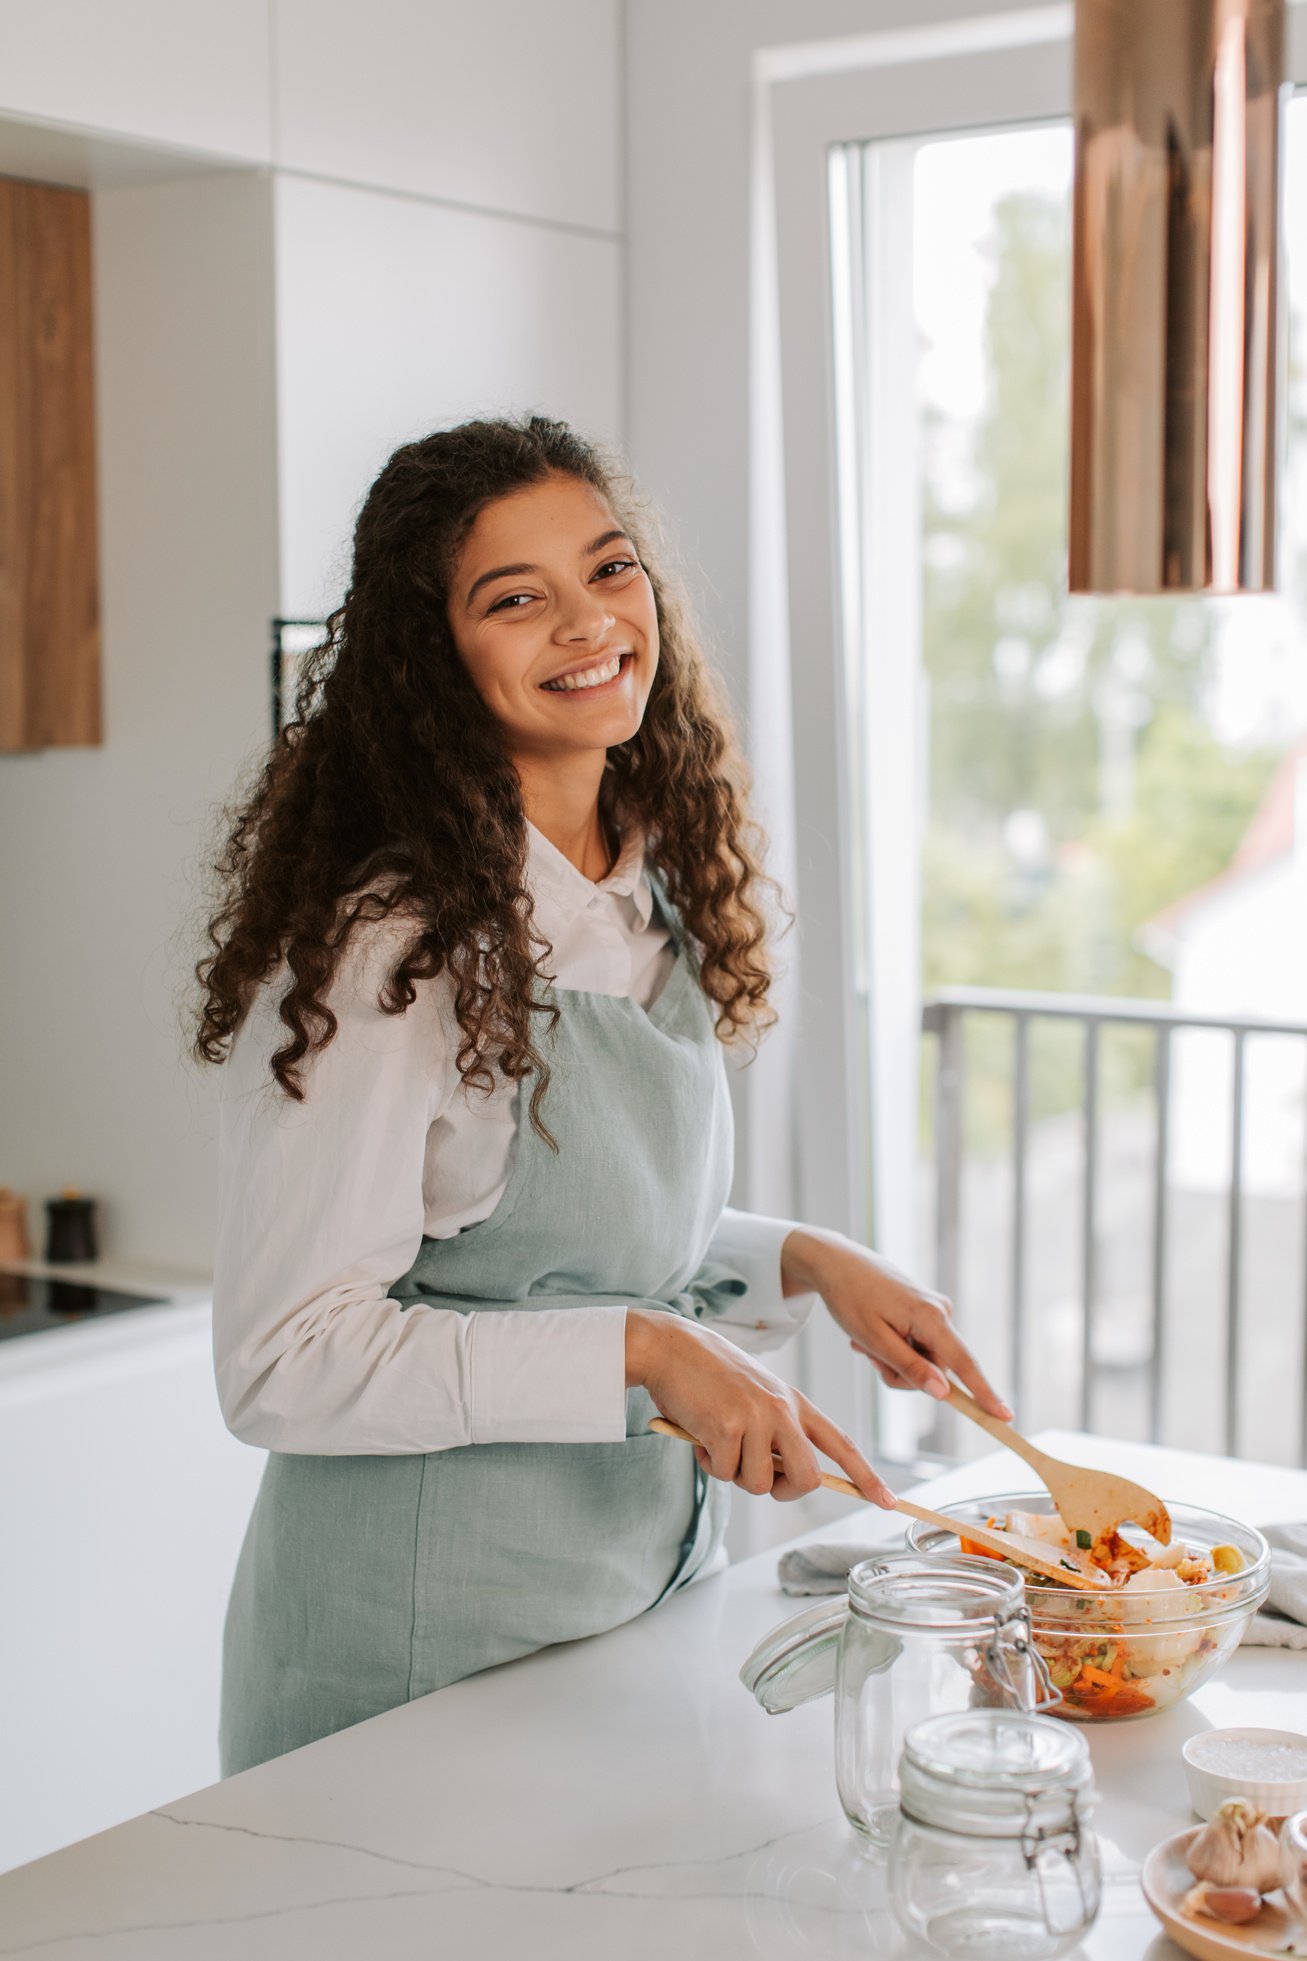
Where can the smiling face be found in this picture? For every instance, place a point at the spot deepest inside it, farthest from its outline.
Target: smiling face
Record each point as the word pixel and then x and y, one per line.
pixel 554 619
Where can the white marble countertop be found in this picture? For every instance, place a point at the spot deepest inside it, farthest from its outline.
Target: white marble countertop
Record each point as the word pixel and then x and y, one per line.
pixel 621 1796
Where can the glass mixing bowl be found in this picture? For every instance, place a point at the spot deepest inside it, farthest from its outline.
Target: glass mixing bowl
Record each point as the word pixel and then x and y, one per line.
pixel 1124 1654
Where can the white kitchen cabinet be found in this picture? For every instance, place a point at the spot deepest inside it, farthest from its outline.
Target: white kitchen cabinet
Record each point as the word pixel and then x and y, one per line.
pixel 124 1503
pixel 513 107
pixel 172 71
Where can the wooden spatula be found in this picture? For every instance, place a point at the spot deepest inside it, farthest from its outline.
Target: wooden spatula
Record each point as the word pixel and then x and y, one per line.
pixel 1032 1554
pixel 1096 1502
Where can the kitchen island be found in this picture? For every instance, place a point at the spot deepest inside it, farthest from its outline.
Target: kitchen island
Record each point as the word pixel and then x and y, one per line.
pixel 620 1796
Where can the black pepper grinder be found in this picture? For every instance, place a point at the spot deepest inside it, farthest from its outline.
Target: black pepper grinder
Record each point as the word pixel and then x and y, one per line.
pixel 70 1228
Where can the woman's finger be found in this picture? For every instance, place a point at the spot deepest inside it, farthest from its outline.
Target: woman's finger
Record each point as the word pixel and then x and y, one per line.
pixel 917 1369
pixel 757 1473
pixel 724 1458
pixel 842 1450
pixel 795 1461
pixel 954 1354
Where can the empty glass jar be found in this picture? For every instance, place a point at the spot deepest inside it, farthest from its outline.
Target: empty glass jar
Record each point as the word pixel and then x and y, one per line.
pixel 994 1858
pixel 921 1634
pixel 924 1636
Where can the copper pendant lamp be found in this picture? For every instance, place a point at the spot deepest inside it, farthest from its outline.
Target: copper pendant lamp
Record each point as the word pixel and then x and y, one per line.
pixel 1175 331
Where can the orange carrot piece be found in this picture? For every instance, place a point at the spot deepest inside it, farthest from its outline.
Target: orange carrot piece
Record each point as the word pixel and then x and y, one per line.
pixel 1130 1702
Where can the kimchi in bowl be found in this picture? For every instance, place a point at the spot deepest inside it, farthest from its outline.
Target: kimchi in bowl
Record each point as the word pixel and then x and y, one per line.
pixel 1137 1647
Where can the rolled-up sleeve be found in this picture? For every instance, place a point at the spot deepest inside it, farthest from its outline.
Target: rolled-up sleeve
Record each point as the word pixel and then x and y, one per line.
pixel 755 1315
pixel 321 1210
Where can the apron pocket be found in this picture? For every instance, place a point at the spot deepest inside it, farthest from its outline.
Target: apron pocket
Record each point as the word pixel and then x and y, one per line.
pixel 523 1545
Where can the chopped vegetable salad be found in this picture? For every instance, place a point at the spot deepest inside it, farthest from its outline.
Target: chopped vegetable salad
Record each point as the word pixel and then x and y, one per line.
pixel 1127 1651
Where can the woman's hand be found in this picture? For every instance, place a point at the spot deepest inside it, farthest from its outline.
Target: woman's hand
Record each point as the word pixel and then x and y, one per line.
pixel 907 1331
pixel 744 1416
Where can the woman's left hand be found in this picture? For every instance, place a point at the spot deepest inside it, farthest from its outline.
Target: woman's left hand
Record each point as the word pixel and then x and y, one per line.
pixel 907 1331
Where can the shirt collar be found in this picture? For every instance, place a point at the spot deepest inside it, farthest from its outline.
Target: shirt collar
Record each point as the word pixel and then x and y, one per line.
pixel 557 879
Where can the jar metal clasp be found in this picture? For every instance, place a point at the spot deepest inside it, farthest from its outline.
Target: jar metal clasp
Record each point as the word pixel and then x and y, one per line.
pixel 1063 1842
pixel 1018 1667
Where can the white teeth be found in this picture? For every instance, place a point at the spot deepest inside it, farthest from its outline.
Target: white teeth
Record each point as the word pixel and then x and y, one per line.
pixel 592 677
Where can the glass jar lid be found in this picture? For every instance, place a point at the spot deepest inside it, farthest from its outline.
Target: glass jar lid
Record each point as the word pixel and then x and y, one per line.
pixel 996 1773
pixel 913 1589
pixel 795 1663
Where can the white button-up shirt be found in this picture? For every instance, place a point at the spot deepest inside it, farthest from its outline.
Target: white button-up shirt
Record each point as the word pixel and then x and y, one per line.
pixel 324 1203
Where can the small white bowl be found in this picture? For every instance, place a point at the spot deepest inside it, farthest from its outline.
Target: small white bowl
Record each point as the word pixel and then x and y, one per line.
pixel 1223 1763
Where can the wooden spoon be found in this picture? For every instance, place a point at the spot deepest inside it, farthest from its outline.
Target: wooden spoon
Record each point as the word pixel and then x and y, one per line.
pixel 1014 1547
pixel 1096 1502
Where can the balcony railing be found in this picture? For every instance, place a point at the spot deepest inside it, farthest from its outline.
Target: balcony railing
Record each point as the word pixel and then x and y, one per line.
pixel 946 1017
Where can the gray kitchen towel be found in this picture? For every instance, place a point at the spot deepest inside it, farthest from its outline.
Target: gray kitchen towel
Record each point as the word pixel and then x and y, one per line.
pixel 1282 1623
pixel 823 1569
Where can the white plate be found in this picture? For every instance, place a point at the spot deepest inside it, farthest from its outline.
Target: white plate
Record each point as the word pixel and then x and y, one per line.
pixel 1166 1879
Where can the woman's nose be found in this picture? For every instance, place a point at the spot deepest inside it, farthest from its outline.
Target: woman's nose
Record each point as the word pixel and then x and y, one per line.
pixel 584 617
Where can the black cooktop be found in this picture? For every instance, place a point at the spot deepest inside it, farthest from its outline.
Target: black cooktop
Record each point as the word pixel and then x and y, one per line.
pixel 29 1305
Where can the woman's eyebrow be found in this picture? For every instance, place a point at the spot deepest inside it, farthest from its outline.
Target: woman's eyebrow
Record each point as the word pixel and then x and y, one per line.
pixel 518 571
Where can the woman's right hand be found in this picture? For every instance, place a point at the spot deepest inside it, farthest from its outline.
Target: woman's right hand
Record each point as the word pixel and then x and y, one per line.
pixel 745 1417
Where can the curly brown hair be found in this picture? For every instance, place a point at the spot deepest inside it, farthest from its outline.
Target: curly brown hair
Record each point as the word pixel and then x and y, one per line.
pixel 391 792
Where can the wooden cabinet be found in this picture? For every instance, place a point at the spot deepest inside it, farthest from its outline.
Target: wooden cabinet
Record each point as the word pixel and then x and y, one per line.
pixel 49 578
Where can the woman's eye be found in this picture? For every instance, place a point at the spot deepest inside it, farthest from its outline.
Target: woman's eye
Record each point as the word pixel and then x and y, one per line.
pixel 512 602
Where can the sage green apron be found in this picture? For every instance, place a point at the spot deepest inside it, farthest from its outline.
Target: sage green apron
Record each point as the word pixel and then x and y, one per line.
pixel 366 1581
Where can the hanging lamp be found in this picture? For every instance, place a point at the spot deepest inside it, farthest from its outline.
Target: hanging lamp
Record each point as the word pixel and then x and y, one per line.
pixel 1175 324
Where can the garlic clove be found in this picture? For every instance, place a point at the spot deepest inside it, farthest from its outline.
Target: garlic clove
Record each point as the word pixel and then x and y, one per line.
pixel 1234 1905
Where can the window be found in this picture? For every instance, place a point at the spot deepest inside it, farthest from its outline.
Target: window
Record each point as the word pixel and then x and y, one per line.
pixel 1080 797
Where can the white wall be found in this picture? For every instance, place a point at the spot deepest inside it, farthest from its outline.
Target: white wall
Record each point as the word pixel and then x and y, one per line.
pixel 435 314
pixel 418 220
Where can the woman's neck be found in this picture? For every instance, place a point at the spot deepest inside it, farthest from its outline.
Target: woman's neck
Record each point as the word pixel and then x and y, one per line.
pixel 564 807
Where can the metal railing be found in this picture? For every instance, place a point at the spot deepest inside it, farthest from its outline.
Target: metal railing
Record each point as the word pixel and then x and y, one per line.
pixel 944 1016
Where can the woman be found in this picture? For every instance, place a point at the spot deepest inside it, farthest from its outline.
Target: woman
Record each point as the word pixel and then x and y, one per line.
pixel 488 918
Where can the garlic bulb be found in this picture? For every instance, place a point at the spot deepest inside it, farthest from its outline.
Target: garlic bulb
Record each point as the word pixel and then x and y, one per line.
pixel 1237 1848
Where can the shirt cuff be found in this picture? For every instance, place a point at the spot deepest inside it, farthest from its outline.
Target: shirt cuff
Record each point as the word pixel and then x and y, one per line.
pixel 751 1244
pixel 549 1375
